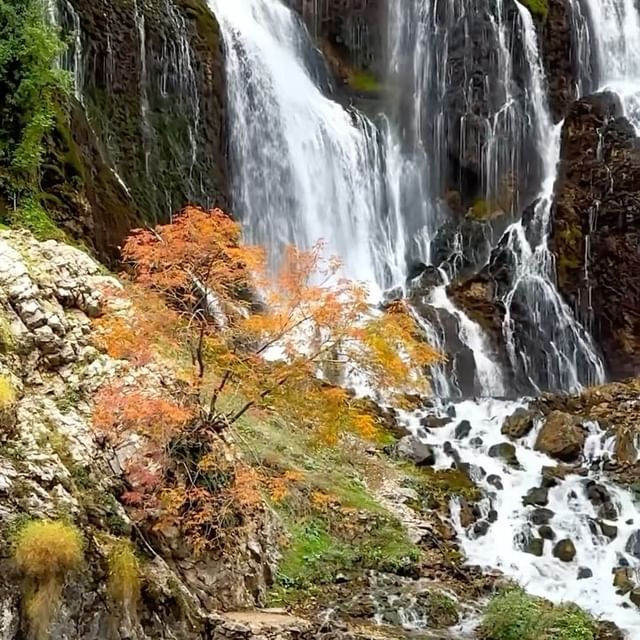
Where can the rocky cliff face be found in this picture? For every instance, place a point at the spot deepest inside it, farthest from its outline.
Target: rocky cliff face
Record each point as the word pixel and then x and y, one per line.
pixel 596 228
pixel 52 465
pixel 146 135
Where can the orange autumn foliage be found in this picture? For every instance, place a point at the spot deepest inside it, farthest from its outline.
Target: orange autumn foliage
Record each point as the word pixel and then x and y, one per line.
pixel 312 319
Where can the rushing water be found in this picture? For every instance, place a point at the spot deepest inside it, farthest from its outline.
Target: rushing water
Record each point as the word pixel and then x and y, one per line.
pixel 306 168
pixel 616 39
pixel 303 167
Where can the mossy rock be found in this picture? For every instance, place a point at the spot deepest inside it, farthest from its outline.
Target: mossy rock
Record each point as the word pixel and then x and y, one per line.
pixel 539 9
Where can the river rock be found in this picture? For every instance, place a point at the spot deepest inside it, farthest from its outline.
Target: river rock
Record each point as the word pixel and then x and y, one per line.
pixel 519 424
pixel 608 511
pixel 476 442
pixel 481 528
pixel 541 516
pixel 495 481
pixel 506 451
pixel 434 422
pixel 607 630
pixel 633 544
pixel 538 496
pixel 463 430
pixel 623 580
pixel 584 573
pixel 634 596
pixel 535 546
pixel 561 437
pixel 608 530
pixel 412 449
pixel 564 550
pixel 597 493
pixel 546 532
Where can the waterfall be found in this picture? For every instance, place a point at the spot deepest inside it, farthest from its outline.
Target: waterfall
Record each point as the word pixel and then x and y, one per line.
pixel 554 350
pixel 304 168
pixel 616 31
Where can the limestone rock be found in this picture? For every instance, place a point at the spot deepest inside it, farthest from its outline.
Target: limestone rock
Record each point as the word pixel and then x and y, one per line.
pixel 561 437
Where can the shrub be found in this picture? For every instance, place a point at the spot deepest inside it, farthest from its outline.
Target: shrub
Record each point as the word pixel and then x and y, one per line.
pixel 123 582
pixel 515 615
pixel 7 394
pixel 45 552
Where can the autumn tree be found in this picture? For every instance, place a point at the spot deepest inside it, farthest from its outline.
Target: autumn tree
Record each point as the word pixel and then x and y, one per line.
pixel 260 339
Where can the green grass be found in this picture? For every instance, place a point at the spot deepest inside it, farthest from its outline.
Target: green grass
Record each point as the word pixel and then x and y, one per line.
pixel 515 615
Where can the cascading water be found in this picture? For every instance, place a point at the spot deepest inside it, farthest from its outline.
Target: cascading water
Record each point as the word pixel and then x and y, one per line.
pixel 304 168
pixel 616 31
pixel 554 351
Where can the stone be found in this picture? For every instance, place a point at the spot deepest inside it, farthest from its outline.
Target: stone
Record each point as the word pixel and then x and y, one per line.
pixel 481 528
pixel 535 547
pixel 597 493
pixel 634 596
pixel 463 429
pixel 476 442
pixel 412 449
pixel 519 424
pixel 434 422
pixel 546 532
pixel 561 437
pixel 492 516
pixel 608 530
pixel 538 496
pixel 495 481
pixel 541 516
pixel 608 511
pixel 633 544
pixel 506 451
pixel 623 580
pixel 564 550
pixel 584 573
pixel 611 294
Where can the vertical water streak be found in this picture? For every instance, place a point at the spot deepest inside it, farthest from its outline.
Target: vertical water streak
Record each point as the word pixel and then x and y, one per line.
pixel 554 350
pixel 303 167
pixel 616 37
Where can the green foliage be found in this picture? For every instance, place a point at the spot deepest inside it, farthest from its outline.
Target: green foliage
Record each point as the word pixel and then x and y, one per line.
pixel 538 8
pixel 31 84
pixel 7 393
pixel 124 578
pixel 317 554
pixel 515 615
pixel 31 215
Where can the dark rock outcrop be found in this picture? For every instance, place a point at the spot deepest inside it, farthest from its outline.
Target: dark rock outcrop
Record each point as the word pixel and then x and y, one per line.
pixel 597 214
pixel 149 136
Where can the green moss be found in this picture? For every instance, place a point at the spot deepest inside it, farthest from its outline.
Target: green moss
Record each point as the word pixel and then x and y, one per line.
pixel 364 82
pixel 7 341
pixel 516 615
pixel 538 8
pixel 436 487
pixel 483 209
pixel 31 215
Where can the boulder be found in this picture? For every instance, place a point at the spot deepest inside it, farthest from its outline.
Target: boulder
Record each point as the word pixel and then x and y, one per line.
pixel 623 580
pixel 534 546
pixel 538 496
pixel 412 449
pixel 633 544
pixel 506 451
pixel 495 481
pixel 481 528
pixel 561 437
pixel 519 424
pixel 584 573
pixel 546 532
pixel 463 429
pixel 564 550
pixel 608 530
pixel 541 516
